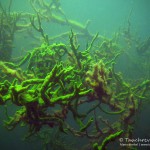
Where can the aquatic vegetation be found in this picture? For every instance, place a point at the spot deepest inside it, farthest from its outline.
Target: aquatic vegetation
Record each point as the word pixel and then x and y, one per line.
pixel 69 83
pixel 111 137
pixel 55 84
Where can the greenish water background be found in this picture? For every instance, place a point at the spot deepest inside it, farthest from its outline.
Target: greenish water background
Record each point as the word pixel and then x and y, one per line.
pixel 107 17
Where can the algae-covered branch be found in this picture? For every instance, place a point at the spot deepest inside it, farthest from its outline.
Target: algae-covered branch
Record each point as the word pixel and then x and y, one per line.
pixel 66 87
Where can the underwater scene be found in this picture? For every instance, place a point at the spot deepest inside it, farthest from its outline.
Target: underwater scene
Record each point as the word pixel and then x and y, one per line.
pixel 74 74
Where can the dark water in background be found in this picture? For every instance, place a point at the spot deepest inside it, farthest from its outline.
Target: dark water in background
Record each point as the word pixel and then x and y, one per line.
pixel 107 17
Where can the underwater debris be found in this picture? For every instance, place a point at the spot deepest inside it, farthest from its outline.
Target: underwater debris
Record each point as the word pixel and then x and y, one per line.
pixel 70 86
pixel 55 84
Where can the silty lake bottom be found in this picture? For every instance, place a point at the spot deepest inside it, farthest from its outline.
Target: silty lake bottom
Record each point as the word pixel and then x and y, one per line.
pixel 74 75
